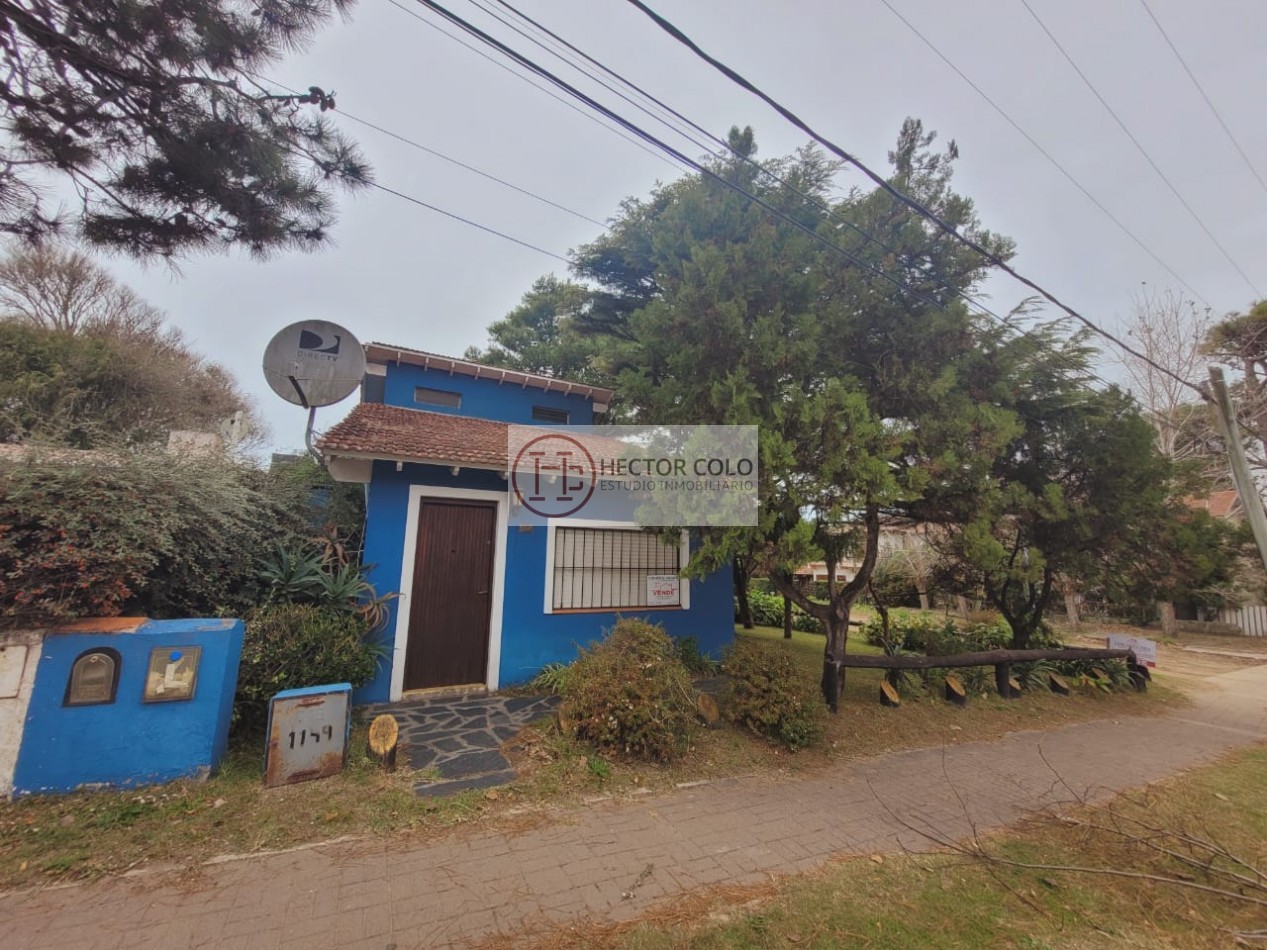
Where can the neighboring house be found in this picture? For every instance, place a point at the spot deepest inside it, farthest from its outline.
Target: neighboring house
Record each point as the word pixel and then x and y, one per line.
pixel 895 537
pixel 1248 611
pixel 483 602
pixel 1224 505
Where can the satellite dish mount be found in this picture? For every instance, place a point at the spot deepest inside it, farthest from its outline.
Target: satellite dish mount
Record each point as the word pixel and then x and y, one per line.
pixel 314 363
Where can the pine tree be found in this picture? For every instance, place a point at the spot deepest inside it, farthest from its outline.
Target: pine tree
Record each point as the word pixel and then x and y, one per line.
pixel 156 112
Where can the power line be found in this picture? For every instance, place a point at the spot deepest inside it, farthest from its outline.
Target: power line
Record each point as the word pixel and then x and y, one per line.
pixel 544 73
pixel 899 195
pixel 468 221
pixel 664 107
pixel 584 72
pixel 1204 95
pixel 1140 148
pixel 417 201
pixel 557 98
pixel 423 204
pixel 658 143
pixel 669 110
pixel 448 158
pixel 1041 150
pixel 471 168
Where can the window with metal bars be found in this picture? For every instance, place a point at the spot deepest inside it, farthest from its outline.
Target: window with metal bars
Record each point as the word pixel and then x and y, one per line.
pixel 607 568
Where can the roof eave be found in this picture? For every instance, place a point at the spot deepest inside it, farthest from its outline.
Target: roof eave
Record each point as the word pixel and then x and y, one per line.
pixel 373 456
pixel 383 353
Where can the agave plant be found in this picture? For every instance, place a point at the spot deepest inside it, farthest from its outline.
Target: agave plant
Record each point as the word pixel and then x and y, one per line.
pixel 1034 676
pixel 292 574
pixel 346 588
pixel 304 575
pixel 977 680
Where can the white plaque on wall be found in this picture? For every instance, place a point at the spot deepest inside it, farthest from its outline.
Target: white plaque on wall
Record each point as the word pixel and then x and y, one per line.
pixel 663 590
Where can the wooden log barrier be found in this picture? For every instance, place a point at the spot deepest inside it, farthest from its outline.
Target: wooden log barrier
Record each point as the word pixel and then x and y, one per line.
pixel 1003 681
pixel 888 695
pixel 1002 660
pixel 1140 676
pixel 863 661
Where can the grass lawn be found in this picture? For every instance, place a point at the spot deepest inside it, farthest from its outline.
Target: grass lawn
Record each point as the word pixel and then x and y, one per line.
pixel 183 823
pixel 953 900
pixel 88 834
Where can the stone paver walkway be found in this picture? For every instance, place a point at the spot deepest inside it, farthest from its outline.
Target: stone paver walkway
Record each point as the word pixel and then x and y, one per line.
pixel 616 859
pixel 458 741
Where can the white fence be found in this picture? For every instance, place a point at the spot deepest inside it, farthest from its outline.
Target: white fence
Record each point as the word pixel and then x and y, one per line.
pixel 1252 620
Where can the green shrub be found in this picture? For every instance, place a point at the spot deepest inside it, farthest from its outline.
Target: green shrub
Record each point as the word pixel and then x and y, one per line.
pixel 977 680
pixel 288 646
pixel 894 588
pixel 921 633
pixel 98 534
pixel 767 608
pixel 552 678
pixel 891 642
pixel 767 611
pixel 1116 673
pixel 630 694
pixel 1033 675
pixel 697 662
pixel 985 616
pixel 771 696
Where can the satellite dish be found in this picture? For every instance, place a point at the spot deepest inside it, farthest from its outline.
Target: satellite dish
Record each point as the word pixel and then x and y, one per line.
pixel 314 363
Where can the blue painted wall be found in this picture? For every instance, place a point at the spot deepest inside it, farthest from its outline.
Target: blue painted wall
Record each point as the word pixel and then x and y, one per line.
pixel 129 742
pixel 481 398
pixel 531 638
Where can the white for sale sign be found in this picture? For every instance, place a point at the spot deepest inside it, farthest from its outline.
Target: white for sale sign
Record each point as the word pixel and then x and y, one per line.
pixel 663 590
pixel 1145 650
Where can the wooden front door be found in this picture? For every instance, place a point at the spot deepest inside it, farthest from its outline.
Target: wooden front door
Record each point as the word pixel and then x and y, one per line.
pixel 452 594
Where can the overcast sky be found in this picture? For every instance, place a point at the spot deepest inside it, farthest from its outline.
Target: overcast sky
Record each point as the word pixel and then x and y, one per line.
pixel 400 274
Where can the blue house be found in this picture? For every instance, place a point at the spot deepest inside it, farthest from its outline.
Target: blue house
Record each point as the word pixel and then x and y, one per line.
pixel 483 602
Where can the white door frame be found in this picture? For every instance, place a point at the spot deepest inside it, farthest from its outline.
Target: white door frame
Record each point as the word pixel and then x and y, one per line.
pixel 404 606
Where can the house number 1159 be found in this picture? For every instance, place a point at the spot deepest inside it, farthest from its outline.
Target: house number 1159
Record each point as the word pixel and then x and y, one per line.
pixel 303 735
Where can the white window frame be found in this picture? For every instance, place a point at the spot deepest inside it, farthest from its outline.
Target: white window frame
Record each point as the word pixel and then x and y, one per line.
pixel 551 532
pixel 416 495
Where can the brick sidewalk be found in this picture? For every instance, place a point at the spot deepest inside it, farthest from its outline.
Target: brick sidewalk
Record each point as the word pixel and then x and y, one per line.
pixel 616 859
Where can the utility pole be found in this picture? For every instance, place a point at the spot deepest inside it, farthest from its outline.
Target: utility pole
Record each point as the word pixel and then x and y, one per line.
pixel 1245 487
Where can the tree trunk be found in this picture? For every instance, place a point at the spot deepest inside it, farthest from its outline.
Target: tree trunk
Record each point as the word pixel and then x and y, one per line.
pixel 836 627
pixel 961 604
pixel 787 618
pixel 833 681
pixel 741 594
pixel 1167 611
pixel 1021 630
pixel 923 600
pixel 1071 605
pixel 883 611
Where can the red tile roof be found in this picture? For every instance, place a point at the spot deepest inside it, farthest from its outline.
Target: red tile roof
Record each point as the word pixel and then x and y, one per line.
pixel 1220 504
pixel 374 430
